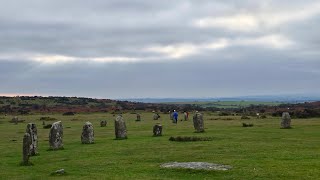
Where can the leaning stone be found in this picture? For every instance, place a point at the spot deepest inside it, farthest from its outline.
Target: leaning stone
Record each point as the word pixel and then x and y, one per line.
pixel 56 136
pixel 198 122
pixel 33 132
pixel 120 128
pixel 286 120
pixel 87 136
pixel 103 123
pixel 196 165
pixel 26 149
pixel 157 130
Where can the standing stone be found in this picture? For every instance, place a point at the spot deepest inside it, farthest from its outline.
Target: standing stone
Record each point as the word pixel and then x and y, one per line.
pixel 120 128
pixel 33 132
pixel 185 115
pixel 26 149
pixel 103 123
pixel 56 135
pixel 157 130
pixel 171 115
pixel 15 120
pixel 138 117
pixel 198 122
pixel 156 116
pixel 286 120
pixel 87 136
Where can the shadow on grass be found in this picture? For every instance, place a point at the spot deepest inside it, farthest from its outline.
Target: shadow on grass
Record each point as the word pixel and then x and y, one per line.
pixel 59 149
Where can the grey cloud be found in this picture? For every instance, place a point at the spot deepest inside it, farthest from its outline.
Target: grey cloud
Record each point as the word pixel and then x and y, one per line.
pixel 126 27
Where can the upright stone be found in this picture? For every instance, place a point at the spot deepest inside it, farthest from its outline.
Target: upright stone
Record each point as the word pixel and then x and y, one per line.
pixel 56 136
pixel 156 116
pixel 157 130
pixel 185 115
pixel 286 120
pixel 33 132
pixel 15 120
pixel 103 123
pixel 198 122
pixel 120 128
pixel 26 149
pixel 138 117
pixel 87 136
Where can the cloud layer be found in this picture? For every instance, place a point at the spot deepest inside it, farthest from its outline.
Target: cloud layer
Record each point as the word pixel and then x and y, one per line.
pixel 140 48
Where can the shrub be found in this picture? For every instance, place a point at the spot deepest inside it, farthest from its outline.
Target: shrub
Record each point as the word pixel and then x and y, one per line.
pixel 245 117
pixel 224 113
pixel 48 126
pixel 47 119
pixel 68 114
pixel 246 125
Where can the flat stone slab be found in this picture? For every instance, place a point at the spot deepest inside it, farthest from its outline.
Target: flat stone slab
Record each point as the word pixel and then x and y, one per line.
pixel 196 165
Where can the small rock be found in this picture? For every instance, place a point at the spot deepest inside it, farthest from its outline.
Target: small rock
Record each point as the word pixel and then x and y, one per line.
pixel 196 165
pixel 58 172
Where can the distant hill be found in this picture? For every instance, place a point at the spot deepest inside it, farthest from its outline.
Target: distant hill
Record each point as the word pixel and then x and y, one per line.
pixel 53 104
pixel 263 98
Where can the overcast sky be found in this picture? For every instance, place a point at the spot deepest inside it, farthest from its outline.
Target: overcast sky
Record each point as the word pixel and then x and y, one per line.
pixel 144 48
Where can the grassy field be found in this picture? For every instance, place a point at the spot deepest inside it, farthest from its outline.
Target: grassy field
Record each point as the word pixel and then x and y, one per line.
pixel 260 152
pixel 227 104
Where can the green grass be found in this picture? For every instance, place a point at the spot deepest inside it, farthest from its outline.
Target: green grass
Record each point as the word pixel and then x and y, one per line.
pixel 227 104
pixel 261 152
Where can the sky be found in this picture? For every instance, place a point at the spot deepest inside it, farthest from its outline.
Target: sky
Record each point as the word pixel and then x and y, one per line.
pixel 159 49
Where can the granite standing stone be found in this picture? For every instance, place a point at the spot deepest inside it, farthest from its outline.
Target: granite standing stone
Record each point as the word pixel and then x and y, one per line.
pixel 286 120
pixel 33 132
pixel 26 148
pixel 138 117
pixel 120 128
pixel 56 136
pixel 103 123
pixel 185 115
pixel 87 136
pixel 157 130
pixel 15 120
pixel 156 116
pixel 198 122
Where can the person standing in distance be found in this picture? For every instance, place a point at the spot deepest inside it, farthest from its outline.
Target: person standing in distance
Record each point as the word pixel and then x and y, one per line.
pixel 175 116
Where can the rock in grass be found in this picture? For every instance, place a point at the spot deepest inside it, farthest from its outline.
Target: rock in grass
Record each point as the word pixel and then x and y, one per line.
pixel 120 128
pixel 286 120
pixel 58 172
pixel 87 136
pixel 198 122
pixel 33 132
pixel 56 136
pixel 157 130
pixel 196 165
pixel 26 149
